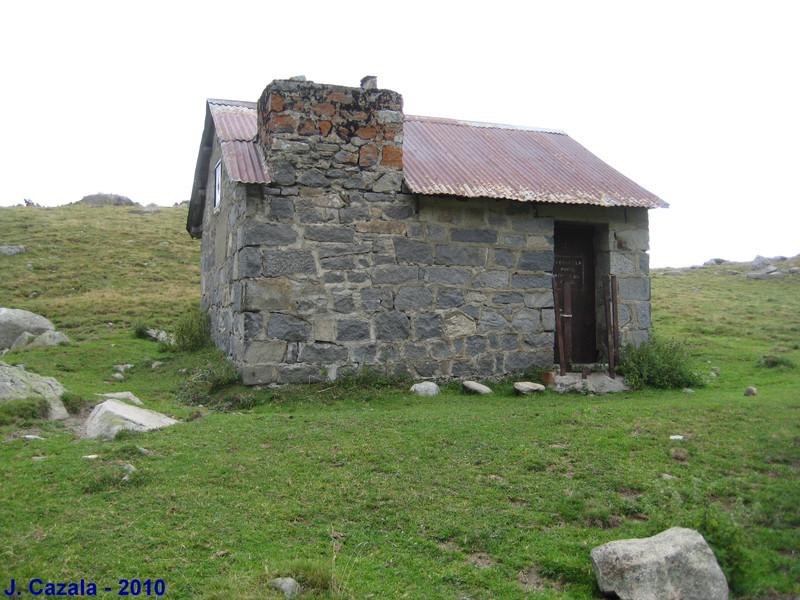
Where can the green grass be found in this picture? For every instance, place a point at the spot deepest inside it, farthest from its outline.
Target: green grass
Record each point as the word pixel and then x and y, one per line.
pixel 360 489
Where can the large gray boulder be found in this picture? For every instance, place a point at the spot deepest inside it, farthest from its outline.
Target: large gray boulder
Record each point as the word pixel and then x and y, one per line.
pixel 15 321
pixel 18 384
pixel 676 564
pixel 762 268
pixel 112 416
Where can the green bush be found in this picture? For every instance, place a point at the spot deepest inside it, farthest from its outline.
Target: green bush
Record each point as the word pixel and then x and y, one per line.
pixel 139 329
pixel 776 362
pixel 660 363
pixel 193 330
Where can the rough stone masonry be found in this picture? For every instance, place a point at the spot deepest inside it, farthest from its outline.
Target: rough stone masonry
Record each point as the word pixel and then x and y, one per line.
pixel 335 266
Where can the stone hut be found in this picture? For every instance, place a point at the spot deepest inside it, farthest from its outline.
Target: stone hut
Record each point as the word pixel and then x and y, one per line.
pixel 340 234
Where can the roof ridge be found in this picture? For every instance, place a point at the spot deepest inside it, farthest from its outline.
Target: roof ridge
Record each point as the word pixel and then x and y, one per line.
pixel 236 103
pixel 463 122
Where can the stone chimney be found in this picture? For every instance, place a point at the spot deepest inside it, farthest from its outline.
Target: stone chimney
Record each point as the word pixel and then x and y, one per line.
pixel 329 137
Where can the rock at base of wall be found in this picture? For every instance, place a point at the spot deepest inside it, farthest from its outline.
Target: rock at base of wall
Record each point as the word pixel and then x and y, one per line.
pixel 595 383
pixel 473 387
pixel 16 384
pixel 677 563
pixel 527 387
pixel 426 388
pixel 112 416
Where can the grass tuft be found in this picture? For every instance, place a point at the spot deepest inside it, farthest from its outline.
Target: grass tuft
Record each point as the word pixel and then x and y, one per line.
pixel 17 411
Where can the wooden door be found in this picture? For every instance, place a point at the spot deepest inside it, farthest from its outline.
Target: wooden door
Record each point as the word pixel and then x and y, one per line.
pixel 573 276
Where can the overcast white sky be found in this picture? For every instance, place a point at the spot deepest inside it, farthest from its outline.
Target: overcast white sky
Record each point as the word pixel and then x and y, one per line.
pixel 698 101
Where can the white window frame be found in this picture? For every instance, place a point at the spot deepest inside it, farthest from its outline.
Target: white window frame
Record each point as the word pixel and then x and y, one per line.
pixel 217 184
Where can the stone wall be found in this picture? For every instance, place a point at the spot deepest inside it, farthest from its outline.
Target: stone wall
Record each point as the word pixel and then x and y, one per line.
pixel 334 266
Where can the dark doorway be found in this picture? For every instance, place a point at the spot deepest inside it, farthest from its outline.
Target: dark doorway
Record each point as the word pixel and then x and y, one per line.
pixel 573 276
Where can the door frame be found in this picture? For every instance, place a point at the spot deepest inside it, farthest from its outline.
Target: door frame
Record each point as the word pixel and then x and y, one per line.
pixel 575 251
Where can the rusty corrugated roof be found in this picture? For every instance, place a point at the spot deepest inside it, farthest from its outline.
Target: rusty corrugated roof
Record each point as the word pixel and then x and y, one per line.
pixel 473 160
pixel 464 159
pixel 235 123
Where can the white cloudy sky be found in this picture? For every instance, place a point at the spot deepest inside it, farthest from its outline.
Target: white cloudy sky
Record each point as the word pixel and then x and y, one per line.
pixel 698 101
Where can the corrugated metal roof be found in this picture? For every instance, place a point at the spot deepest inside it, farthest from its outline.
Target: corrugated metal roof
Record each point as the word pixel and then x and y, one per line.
pixel 235 123
pixel 473 160
pixel 465 159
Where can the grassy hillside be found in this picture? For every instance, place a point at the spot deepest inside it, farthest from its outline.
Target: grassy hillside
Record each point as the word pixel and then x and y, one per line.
pixel 360 489
pixel 87 265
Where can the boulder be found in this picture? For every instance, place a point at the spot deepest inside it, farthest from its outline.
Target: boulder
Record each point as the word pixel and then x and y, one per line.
pixel 677 563
pixel 112 416
pixel 527 387
pixel 761 263
pixel 475 388
pixel 128 396
pixel 18 384
pixel 14 322
pixel 714 262
pixel 12 250
pixel 426 388
pixel 761 268
pixel 50 338
pixel 23 340
pixel 775 274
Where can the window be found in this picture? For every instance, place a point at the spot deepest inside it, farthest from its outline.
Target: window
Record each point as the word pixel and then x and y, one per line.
pixel 217 184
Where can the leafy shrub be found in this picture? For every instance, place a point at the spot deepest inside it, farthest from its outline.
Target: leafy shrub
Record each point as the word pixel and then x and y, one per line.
pixel 139 329
pixel 659 363
pixel 193 330
pixel 776 362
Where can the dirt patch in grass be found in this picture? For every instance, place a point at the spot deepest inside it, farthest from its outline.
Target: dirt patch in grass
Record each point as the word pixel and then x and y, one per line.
pixel 530 581
pixel 480 560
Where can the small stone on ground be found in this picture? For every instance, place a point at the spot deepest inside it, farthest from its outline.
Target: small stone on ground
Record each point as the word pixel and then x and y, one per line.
pixel 475 388
pixel 425 388
pixel 287 585
pixel 527 387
